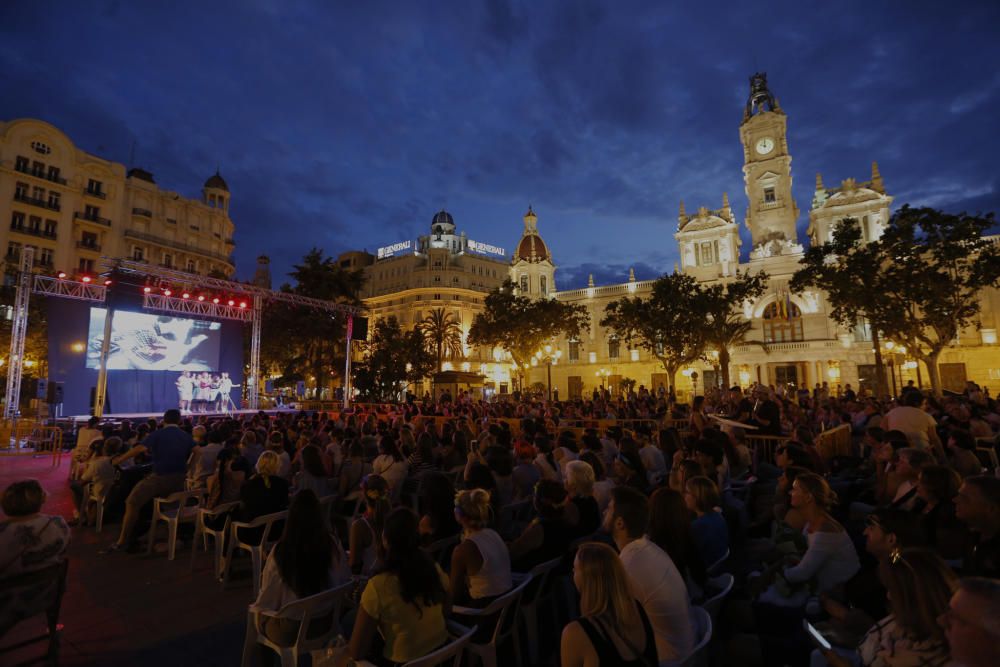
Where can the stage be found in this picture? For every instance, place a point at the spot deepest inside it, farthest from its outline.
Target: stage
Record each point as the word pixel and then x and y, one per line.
pixel 143 416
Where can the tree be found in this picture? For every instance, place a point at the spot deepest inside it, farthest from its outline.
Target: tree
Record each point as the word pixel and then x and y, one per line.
pixel 668 324
pixel 849 272
pixel 300 343
pixel 725 326
pixel 925 274
pixel 392 358
pixel 521 326
pixel 443 335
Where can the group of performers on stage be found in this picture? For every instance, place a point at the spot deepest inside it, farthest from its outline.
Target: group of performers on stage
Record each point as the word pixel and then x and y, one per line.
pixel 204 392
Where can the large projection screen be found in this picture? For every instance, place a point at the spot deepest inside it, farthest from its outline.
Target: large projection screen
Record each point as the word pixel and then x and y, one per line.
pixel 150 342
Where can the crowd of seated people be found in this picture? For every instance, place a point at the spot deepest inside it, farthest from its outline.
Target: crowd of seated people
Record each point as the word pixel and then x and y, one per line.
pixel 885 547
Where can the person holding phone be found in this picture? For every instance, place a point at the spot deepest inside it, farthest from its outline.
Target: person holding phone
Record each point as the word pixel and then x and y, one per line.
pixel 920 585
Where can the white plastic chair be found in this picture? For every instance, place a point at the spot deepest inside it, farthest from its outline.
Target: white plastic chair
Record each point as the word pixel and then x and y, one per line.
pixel 541 593
pixel 174 510
pixel 451 651
pixel 506 624
pixel 720 587
pixel 256 551
pixel 202 530
pixel 698 657
pixel 716 568
pixel 315 606
pixel 89 498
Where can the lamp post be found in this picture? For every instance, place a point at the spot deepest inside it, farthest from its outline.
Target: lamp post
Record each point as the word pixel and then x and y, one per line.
pixel 602 374
pixel 548 356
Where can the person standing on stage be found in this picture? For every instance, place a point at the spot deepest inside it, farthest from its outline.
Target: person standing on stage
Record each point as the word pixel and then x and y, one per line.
pixel 225 387
pixel 204 384
pixel 184 391
pixel 214 394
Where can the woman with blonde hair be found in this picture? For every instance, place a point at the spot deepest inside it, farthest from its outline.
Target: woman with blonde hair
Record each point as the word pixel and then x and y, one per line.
pixel 480 564
pixel 582 511
pixel 613 628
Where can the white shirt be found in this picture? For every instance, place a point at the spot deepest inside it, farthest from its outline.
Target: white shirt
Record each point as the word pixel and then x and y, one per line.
pixel 659 587
pixel 914 422
pixel 392 470
pixel 493 577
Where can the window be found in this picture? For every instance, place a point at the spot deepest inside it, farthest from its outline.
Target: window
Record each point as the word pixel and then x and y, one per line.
pixel 195 228
pixel 35 224
pixel 543 285
pixel 46 258
pixel 20 190
pixel 614 347
pixel 168 260
pixel 54 200
pixel 88 240
pixel 574 350
pixel 524 283
pixel 437 297
pixel 137 253
pixel 91 212
pixel 191 268
pixel 782 322
pixel 22 163
pixel 94 187
pixel 38 193
pixel 769 196
pixel 86 265
pixel 53 173
pixel 707 254
pixel 50 228
pixel 41 148
pixel 13 250
pixel 37 168
pixel 17 220
pixel 171 221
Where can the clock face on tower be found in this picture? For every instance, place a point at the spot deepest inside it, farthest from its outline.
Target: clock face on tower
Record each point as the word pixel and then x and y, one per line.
pixel 765 145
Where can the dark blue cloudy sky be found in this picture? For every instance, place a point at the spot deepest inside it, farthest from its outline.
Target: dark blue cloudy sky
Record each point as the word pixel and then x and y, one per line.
pixel 349 127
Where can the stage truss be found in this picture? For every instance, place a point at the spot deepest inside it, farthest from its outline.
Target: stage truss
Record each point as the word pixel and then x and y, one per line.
pixel 255 295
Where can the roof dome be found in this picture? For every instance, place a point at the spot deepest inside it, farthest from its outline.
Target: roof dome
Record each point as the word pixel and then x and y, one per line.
pixel 532 249
pixel 443 217
pixel 216 181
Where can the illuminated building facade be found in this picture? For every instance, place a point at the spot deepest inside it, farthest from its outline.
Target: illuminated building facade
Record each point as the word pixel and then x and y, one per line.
pixel 74 207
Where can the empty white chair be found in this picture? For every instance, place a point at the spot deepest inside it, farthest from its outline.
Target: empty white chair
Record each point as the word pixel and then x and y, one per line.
pixel 718 589
pixel 256 551
pixel 703 635
pixel 204 531
pixel 331 602
pixel 506 624
pixel 716 567
pixel 175 509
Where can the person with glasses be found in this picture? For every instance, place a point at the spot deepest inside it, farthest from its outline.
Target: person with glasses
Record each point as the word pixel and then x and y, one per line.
pixel 971 622
pixel 919 586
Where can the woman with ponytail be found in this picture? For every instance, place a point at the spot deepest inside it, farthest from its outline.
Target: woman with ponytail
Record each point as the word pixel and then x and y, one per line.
pixel 480 564
pixel 365 540
pixel 406 601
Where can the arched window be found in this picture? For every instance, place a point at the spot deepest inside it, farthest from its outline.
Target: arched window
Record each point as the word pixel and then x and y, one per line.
pixel 782 322
pixel 524 284
pixel 544 288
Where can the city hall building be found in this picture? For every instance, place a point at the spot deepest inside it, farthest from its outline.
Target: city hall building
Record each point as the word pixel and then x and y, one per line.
pixel 802 345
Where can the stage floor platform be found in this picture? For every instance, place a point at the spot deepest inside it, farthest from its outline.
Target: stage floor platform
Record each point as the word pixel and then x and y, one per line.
pixel 143 416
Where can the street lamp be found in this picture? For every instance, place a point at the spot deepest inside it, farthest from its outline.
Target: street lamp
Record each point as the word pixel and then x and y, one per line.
pixel 603 374
pixel 548 356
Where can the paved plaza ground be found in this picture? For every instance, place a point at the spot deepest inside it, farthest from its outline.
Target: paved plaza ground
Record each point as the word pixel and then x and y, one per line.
pixel 123 609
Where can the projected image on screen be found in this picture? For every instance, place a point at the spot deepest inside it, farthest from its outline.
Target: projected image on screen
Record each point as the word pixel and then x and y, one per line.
pixel 149 342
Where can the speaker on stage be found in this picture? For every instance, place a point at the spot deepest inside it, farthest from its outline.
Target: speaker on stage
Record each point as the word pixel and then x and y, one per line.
pixel 54 393
pixel 43 386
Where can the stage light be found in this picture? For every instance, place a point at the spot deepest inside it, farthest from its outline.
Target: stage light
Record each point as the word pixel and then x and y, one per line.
pixel 147 289
pixel 232 303
pixel 201 297
pixel 185 295
pixel 86 279
pixel 215 300
pixel 61 275
pixel 78 347
pixel 243 304
pixel 167 292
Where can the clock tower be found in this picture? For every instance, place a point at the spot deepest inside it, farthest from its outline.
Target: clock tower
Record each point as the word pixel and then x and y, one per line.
pixel 767 171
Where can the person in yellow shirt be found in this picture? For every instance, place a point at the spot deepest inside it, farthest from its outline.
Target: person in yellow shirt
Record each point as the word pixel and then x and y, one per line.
pixel 406 601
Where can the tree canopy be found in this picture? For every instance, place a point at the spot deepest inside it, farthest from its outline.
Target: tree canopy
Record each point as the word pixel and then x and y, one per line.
pixel 392 358
pixel 725 326
pixel 443 335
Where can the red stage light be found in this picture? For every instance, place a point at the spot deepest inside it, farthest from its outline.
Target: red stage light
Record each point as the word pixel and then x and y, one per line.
pixel 147 289
pixel 86 279
pixel 232 303
pixel 61 275
pixel 215 300
pixel 167 292
pixel 201 297
pixel 243 304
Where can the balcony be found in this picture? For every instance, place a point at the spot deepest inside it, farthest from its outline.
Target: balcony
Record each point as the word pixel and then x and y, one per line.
pixel 43 263
pixel 178 245
pixel 92 218
pixel 87 245
pixel 32 231
pixel 42 203
pixel 768 205
pixel 144 212
pixel 40 174
pixel 95 193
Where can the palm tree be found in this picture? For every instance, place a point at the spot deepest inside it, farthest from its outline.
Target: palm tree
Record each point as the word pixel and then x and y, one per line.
pixel 725 327
pixel 443 334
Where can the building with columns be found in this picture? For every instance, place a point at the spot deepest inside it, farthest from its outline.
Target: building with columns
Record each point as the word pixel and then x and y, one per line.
pixel 73 207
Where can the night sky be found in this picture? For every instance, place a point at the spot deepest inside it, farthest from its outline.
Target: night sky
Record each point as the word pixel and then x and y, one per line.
pixel 349 128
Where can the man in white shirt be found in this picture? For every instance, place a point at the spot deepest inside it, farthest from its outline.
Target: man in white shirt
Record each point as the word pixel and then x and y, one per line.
pixel 918 426
pixel 653 577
